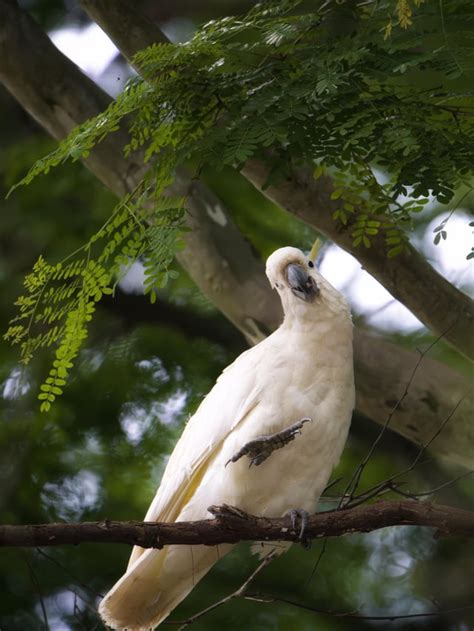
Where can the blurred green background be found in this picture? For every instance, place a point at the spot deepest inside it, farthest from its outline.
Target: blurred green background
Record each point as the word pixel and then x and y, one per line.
pixel 100 452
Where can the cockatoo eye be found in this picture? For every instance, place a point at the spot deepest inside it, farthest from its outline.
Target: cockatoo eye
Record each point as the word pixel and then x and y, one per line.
pixel 301 283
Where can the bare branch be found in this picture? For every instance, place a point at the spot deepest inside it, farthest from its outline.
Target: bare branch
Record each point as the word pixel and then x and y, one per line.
pixel 37 588
pixel 241 592
pixel 232 526
pixel 382 371
pixel 390 483
pixel 354 482
pixel 130 30
pixel 244 592
pixel 352 615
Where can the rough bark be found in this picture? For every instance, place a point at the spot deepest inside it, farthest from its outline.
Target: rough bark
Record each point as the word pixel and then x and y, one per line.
pixel 129 29
pixel 54 91
pixel 57 94
pixel 230 527
pixel 132 310
pixel 382 373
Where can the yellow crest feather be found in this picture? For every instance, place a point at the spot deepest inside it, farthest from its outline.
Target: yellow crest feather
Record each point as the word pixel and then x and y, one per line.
pixel 315 250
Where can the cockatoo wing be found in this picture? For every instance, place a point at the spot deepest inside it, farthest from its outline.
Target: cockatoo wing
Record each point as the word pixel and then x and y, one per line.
pixel 234 396
pixel 157 580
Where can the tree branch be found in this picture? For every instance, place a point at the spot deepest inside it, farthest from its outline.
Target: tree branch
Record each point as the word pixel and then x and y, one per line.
pixel 54 91
pixel 129 29
pixel 350 615
pixel 232 525
pixel 58 95
pixel 133 310
pixel 240 592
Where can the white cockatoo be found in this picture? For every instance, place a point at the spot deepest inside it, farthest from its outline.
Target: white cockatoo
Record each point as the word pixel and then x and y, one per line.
pixel 303 370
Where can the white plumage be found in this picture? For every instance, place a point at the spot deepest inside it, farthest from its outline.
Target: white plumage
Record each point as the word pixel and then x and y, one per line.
pixel 304 369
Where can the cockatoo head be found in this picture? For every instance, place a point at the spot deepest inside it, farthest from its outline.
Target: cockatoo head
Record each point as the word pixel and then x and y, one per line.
pixel 304 293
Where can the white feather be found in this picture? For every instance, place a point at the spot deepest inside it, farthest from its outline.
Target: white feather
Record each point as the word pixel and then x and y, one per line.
pixel 303 369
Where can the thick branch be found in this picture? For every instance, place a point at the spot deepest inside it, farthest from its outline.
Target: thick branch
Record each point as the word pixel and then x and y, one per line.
pixel 230 527
pixel 133 310
pixel 129 30
pixel 57 94
pixel 217 256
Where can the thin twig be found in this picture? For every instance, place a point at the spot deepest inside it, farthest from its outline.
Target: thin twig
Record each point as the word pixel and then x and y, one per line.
pixel 444 485
pixel 322 551
pixel 354 482
pixel 86 604
pixel 395 488
pixel 351 614
pixel 76 611
pixel 69 573
pixel 238 593
pixel 318 560
pixel 330 485
pixel 37 587
pixel 388 483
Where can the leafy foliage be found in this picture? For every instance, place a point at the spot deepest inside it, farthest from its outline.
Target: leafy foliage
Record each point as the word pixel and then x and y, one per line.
pixel 290 83
pixel 60 299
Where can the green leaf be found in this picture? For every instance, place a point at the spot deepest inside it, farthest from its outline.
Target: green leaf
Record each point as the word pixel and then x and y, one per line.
pixel 398 249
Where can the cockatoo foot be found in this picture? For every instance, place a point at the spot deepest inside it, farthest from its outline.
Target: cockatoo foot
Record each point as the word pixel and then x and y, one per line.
pixel 225 510
pixel 260 448
pixel 299 515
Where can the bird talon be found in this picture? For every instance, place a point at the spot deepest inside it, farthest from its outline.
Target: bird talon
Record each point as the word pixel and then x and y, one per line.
pixel 260 448
pixel 226 510
pixel 299 514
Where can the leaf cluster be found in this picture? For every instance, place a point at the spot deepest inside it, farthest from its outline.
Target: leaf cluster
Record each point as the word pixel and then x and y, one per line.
pixel 307 84
pixel 60 300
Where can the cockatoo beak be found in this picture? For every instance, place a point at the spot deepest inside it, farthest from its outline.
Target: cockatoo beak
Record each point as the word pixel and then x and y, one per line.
pixel 301 283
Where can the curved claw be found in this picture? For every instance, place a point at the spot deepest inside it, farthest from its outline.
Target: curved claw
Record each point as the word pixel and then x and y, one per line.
pixel 299 514
pixel 260 448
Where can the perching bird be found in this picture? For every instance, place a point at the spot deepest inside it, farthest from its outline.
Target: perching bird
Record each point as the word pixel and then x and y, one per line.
pixel 303 370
